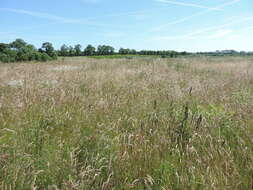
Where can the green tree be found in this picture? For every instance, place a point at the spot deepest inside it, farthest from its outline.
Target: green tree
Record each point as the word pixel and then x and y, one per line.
pixel 49 50
pixel 123 51
pixel 133 51
pixel 89 50
pixel 44 57
pixel 19 50
pixel 78 51
pixel 71 51
pixel 64 51
pixel 105 50
pixel 18 43
pixel 3 47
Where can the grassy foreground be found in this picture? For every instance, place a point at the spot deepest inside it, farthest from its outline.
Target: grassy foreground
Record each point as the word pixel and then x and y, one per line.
pixel 139 124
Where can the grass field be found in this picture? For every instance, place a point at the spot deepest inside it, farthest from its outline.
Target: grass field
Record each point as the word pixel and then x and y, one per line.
pixel 138 124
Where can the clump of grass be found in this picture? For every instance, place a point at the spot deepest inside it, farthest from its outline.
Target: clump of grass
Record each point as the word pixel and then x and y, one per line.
pixel 127 124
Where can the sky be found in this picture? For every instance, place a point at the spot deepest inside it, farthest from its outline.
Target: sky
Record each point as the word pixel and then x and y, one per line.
pixel 181 25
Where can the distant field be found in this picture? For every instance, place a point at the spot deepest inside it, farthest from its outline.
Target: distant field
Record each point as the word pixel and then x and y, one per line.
pixel 139 123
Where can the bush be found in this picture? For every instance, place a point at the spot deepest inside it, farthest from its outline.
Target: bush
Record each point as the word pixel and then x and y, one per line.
pixel 44 57
pixel 4 58
pixel 19 50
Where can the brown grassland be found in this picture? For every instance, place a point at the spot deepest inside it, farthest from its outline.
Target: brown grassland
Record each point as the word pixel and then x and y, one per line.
pixel 139 124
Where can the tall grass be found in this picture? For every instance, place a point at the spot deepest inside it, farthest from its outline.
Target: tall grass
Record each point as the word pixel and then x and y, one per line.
pixel 167 124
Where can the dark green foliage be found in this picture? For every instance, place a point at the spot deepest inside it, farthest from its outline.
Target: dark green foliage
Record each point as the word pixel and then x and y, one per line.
pixel 44 57
pixel 64 51
pixel 71 51
pixel 18 43
pixel 8 55
pixel 163 54
pixel 105 50
pixel 3 46
pixel 90 50
pixel 19 50
pixel 49 50
pixel 123 51
pixel 78 51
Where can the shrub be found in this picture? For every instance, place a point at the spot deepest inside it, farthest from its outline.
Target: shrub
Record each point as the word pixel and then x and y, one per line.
pixel 44 57
pixel 19 50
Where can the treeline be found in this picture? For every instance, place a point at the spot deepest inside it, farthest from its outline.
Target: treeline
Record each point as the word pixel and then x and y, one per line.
pixel 19 50
pixel 225 53
pixel 109 50
pixel 88 51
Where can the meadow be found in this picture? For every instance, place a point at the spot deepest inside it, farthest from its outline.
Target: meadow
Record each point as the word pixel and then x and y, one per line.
pixel 143 123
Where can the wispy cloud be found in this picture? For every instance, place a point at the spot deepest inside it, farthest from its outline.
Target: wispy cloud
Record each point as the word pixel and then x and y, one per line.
pixel 57 19
pixel 212 32
pixel 164 26
pixel 92 21
pixel 41 15
pixel 220 34
pixel 188 5
pixel 219 27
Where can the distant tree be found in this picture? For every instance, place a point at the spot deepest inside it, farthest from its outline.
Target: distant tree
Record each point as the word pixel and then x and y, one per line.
pixel 89 50
pixel 23 51
pixel 105 50
pixel 8 55
pixel 110 50
pixel 78 51
pixel 18 43
pixel 19 50
pixel 184 53
pixel 49 50
pixel 123 51
pixel 133 51
pixel 100 50
pixel 71 51
pixel 3 47
pixel 64 51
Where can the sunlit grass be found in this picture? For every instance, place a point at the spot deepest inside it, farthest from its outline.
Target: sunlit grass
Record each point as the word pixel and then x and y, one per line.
pixel 139 123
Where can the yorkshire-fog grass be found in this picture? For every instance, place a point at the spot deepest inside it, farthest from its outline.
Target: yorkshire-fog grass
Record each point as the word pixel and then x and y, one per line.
pixel 141 123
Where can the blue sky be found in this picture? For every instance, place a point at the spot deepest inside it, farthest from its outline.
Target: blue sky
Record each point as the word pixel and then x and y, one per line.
pixel 182 25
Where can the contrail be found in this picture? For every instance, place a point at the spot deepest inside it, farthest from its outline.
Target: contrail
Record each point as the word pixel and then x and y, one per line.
pixel 63 20
pixel 158 28
pixel 40 15
pixel 189 5
pixel 220 26
pixel 58 19
pixel 208 29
